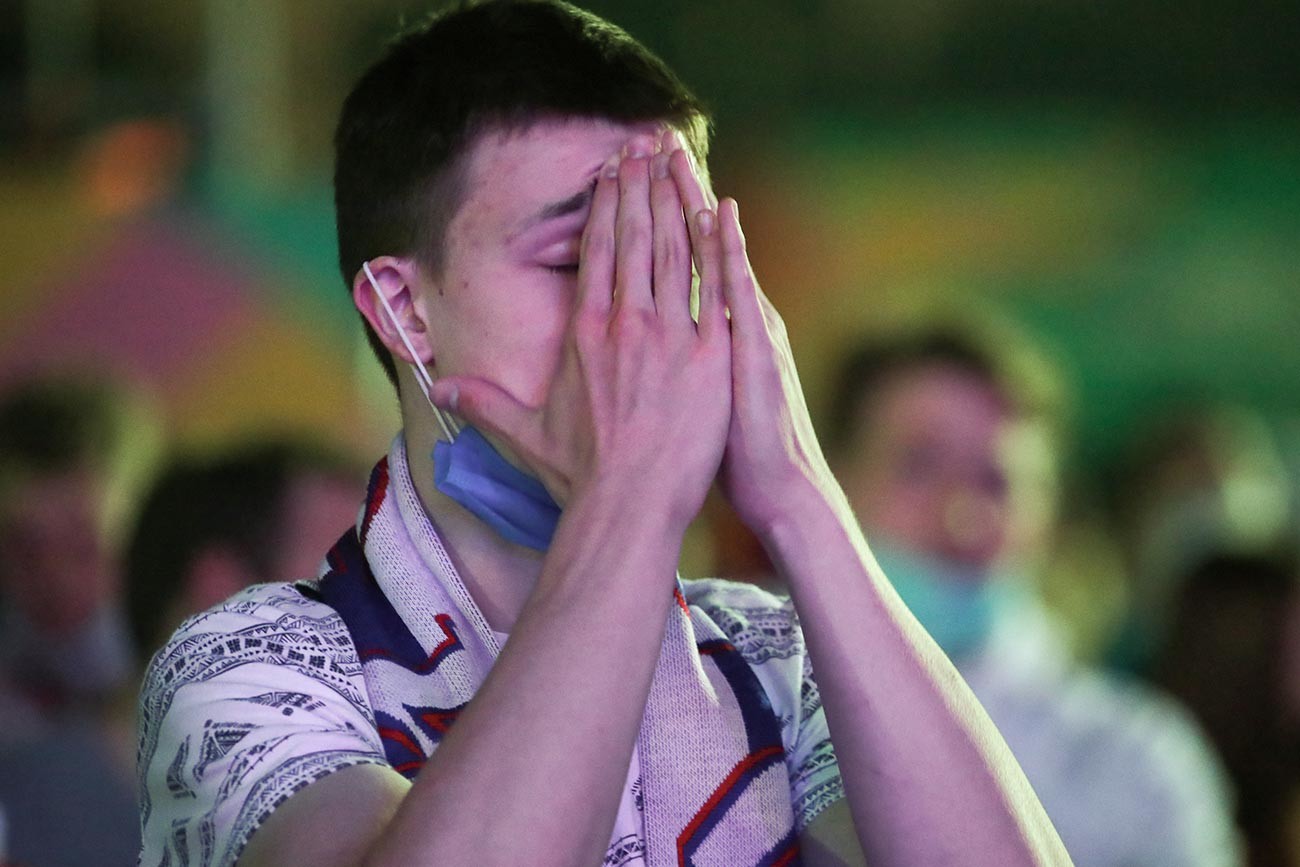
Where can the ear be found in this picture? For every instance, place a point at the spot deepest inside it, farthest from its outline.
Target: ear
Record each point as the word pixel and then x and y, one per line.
pixel 397 280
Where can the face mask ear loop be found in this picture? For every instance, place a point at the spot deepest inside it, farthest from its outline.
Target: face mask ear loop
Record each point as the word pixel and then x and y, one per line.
pixel 422 377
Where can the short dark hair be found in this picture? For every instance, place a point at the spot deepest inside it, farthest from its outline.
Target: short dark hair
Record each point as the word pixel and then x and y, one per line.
pixel 499 64
pixel 235 500
pixel 1009 367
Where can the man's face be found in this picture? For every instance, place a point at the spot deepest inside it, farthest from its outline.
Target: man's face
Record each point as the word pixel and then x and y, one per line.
pixel 500 306
pixel 940 466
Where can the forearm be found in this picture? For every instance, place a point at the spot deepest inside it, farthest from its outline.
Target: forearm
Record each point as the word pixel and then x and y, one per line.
pixel 541 753
pixel 928 777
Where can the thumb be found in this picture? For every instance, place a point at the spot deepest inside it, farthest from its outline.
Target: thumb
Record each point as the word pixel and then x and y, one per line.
pixel 483 404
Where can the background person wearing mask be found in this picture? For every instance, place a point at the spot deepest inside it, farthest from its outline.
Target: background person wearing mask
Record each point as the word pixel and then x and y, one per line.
pixel 946 451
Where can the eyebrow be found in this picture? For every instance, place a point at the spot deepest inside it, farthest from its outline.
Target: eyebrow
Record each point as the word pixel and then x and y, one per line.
pixel 573 204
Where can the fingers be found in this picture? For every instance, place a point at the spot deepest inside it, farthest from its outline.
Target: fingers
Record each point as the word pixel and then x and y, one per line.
pixel 740 289
pixel 695 194
pixel 707 248
pixel 486 406
pixel 637 248
pixel 634 232
pixel 596 258
pixel 695 190
pixel 672 246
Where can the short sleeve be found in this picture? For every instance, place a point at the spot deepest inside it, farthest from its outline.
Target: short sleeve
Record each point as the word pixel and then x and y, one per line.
pixel 246 704
pixel 766 631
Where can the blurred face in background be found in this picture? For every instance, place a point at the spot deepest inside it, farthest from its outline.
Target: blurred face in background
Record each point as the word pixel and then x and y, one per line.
pixel 317 511
pixel 940 465
pixel 58 569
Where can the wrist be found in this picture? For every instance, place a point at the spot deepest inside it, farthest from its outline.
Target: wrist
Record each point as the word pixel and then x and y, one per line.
pixel 641 499
pixel 613 544
pixel 634 512
pixel 809 510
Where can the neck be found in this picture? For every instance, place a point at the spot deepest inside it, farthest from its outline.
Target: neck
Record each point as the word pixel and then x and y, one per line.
pixel 498 574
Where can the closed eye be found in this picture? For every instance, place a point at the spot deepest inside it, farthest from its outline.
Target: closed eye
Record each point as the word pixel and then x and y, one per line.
pixel 565 269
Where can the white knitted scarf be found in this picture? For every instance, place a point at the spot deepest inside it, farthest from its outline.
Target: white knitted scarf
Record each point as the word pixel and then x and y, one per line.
pixel 716 789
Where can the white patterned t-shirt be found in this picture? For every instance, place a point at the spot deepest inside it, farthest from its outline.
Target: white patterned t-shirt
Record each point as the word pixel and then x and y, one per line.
pixel 257 698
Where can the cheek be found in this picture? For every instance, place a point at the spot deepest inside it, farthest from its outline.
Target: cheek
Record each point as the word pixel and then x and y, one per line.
pixel 508 328
pixel 909 517
pixel 543 357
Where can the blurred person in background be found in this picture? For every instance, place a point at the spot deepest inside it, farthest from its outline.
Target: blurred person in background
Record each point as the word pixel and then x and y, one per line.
pixel 72 452
pixel 1230 637
pixel 1201 479
pixel 946 443
pixel 211 525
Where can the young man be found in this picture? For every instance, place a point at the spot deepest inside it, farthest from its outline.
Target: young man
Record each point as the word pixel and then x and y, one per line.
pixel 487 676
pixel 946 450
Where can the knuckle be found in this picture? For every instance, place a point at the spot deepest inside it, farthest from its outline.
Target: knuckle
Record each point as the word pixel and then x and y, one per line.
pixel 597 243
pixel 633 233
pixel 633 170
pixel 669 264
pixel 589 335
pixel 630 323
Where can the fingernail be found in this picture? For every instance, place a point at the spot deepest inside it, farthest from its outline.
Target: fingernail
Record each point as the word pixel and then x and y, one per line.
pixel 636 149
pixel 610 169
pixel 705 221
pixel 659 165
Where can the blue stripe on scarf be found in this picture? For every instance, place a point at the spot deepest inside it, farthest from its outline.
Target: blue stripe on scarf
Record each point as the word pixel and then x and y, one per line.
pixel 378 632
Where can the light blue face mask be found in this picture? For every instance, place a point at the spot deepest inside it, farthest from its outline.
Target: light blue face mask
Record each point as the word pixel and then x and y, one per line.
pixel 958 607
pixel 516 505
pixel 469 470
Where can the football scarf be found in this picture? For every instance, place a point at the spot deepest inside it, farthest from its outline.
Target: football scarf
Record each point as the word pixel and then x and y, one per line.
pixel 716 789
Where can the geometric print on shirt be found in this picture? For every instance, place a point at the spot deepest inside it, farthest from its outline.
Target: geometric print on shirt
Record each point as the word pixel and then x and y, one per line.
pixel 242 763
pixel 760 633
pixel 261 696
pixel 769 639
pixel 758 637
pixel 299 681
